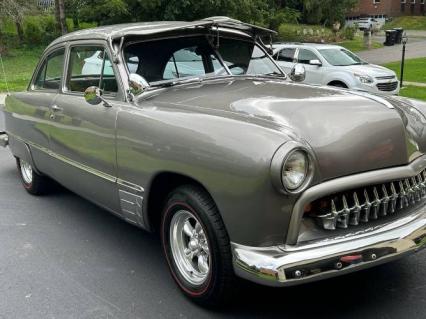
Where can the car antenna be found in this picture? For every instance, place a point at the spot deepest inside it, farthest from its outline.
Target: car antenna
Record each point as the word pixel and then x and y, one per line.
pixel 4 74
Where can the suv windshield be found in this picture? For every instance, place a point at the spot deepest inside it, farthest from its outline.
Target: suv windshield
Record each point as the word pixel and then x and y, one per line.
pixel 341 57
pixel 166 60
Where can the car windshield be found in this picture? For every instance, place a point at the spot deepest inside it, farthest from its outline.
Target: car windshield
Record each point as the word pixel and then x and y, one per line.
pixel 165 61
pixel 341 57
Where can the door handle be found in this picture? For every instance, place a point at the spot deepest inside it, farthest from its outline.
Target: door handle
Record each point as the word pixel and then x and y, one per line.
pixel 56 108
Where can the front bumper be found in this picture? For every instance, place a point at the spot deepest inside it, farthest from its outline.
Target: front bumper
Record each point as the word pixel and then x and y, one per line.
pixel 292 265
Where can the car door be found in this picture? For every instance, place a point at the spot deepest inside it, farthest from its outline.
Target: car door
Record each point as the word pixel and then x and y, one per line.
pixel 285 59
pixel 83 135
pixel 314 73
pixel 31 110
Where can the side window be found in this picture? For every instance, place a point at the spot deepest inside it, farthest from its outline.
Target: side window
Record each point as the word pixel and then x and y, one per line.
pixel 50 74
pixel 91 66
pixel 305 56
pixel 286 55
pixel 188 62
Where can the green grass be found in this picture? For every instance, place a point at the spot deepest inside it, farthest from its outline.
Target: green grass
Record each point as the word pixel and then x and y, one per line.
pixel 414 92
pixel 19 65
pixel 408 23
pixel 414 69
pixel 357 44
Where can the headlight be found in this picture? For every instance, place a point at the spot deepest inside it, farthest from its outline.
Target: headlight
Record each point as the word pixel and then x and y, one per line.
pixel 365 79
pixel 292 167
pixel 295 170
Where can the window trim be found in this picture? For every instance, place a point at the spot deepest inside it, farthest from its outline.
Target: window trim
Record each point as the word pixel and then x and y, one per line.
pixel 91 43
pixel 225 35
pixel 31 87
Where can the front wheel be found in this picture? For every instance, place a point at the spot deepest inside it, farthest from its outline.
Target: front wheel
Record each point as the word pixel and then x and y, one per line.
pixel 33 183
pixel 197 246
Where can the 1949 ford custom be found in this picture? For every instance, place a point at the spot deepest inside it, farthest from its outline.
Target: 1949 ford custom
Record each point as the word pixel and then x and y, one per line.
pixel 191 130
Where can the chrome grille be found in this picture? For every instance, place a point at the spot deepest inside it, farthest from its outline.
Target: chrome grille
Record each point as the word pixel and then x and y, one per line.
pixel 369 203
pixel 392 86
pixel 389 77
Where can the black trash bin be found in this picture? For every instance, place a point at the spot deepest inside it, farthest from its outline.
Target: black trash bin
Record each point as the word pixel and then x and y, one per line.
pixel 390 37
pixel 398 36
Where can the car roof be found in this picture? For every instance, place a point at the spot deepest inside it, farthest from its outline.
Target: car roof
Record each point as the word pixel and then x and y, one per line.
pixel 117 31
pixel 317 46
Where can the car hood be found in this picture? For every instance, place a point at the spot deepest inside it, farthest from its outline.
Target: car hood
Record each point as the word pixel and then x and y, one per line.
pixel 348 132
pixel 370 69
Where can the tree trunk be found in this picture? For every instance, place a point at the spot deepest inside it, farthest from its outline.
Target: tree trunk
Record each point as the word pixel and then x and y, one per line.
pixel 60 16
pixel 20 31
pixel 75 22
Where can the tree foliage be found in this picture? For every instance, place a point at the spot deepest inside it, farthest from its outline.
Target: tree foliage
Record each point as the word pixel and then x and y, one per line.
pixel 265 12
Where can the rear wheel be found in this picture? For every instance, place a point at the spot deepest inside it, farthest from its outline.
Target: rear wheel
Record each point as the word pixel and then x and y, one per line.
pixel 196 246
pixel 33 183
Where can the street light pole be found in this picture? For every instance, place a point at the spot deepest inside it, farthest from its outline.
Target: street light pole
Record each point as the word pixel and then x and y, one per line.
pixel 404 42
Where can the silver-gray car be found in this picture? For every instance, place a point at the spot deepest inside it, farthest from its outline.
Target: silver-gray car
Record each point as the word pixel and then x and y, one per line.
pixel 190 129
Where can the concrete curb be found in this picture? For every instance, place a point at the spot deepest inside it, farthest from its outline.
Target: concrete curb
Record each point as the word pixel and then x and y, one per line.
pixel 423 85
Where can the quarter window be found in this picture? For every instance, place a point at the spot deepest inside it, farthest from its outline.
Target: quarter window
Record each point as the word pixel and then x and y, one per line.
pixel 305 56
pixel 50 74
pixel 91 66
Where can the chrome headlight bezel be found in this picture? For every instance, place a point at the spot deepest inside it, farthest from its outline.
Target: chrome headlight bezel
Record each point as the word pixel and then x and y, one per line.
pixel 279 161
pixel 364 79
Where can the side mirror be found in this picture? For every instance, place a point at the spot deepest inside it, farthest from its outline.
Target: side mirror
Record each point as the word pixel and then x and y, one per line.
pixel 298 73
pixel 137 84
pixel 315 62
pixel 93 96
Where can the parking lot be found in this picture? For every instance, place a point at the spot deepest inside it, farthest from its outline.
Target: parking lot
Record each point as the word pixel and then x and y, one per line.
pixel 63 257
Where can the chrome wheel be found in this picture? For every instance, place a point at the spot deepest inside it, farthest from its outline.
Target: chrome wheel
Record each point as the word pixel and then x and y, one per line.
pixel 26 171
pixel 190 247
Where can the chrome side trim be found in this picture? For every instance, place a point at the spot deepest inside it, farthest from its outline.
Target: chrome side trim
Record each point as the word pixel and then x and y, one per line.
pixel 346 183
pixel 130 194
pixel 285 266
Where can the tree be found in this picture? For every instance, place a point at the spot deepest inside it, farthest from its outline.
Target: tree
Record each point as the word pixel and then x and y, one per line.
pixel 73 10
pixel 16 10
pixel 60 16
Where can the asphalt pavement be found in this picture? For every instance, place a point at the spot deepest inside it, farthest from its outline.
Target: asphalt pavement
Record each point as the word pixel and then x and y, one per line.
pixel 415 48
pixel 63 257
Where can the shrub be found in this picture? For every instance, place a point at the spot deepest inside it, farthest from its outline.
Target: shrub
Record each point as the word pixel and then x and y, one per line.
pixel 285 15
pixel 32 32
pixel 304 33
pixel 349 33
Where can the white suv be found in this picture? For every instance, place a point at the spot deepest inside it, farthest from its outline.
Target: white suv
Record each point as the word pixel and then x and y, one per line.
pixel 334 65
pixel 368 24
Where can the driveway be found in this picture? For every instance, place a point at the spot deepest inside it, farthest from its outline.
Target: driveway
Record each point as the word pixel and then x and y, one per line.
pixel 63 257
pixel 384 55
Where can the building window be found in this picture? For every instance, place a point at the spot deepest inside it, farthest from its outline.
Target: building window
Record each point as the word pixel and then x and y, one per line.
pixel 376 1
pixel 403 1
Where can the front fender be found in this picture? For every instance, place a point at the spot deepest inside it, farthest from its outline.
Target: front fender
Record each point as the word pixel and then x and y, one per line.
pixel 230 158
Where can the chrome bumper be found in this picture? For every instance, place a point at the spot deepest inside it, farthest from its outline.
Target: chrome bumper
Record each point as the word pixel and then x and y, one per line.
pixel 292 265
pixel 4 139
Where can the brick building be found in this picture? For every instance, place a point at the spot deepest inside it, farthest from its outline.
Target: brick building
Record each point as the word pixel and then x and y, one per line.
pixel 388 8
